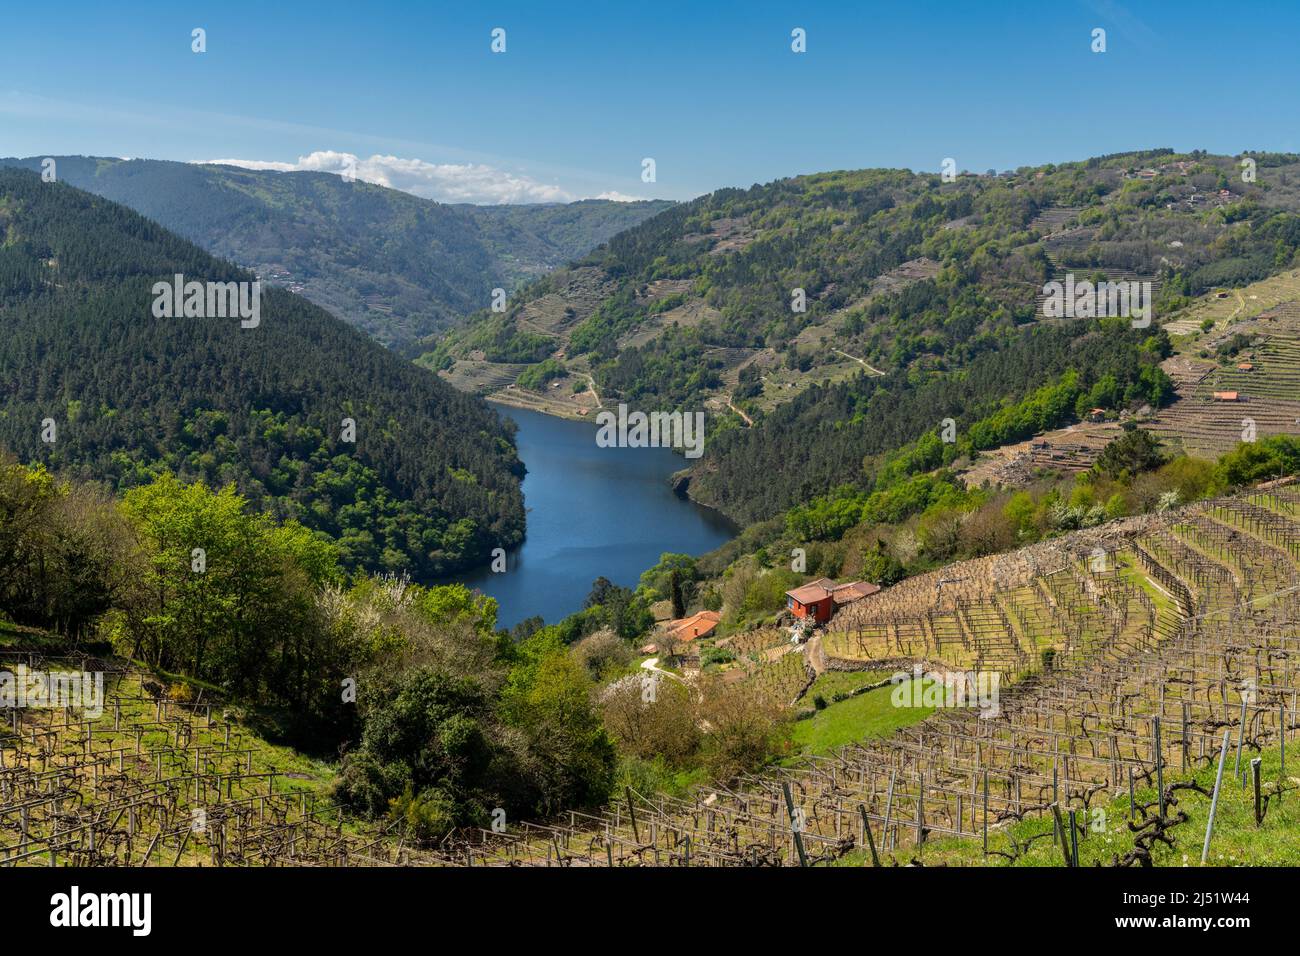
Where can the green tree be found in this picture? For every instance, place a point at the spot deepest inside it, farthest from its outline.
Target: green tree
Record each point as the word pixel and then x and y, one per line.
pixel 426 754
pixel 1271 457
pixel 880 566
pixel 548 697
pixel 1134 452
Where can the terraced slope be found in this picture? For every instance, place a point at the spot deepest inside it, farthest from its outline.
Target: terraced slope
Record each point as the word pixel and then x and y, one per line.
pixel 163 779
pixel 1262 376
pixel 1165 632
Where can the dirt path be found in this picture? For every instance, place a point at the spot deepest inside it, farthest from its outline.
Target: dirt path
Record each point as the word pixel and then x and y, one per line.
pixel 815 654
pixel 652 665
pixel 591 383
pixel 748 421
pixel 1241 304
pixel 869 368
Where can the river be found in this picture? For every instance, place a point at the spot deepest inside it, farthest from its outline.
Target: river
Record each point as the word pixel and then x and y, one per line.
pixel 591 512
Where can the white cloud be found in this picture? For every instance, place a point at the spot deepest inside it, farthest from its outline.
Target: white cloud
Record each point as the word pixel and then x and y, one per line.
pixel 616 196
pixel 251 164
pixel 444 182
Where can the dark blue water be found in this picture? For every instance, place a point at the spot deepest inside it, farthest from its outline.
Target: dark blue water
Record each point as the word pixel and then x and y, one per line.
pixel 591 512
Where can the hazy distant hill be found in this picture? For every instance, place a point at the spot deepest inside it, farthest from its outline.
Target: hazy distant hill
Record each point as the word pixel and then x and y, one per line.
pixel 395 265
pixel 430 484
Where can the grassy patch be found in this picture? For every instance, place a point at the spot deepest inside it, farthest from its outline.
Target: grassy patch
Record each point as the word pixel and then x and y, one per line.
pixel 872 714
pixel 842 682
pixel 18 637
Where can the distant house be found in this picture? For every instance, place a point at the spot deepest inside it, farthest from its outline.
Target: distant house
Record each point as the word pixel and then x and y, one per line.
pixel 1097 415
pixel 1225 396
pixel 1245 367
pixel 820 599
pixel 693 627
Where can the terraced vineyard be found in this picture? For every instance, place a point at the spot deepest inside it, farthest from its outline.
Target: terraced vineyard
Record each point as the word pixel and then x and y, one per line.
pixel 1068 450
pixel 781 679
pixel 1052 221
pixel 1267 388
pixel 1171 637
pixel 153 781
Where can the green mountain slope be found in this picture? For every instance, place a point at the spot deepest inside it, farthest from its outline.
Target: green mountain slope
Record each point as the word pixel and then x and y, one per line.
pixel 430 484
pixel 826 320
pixel 397 266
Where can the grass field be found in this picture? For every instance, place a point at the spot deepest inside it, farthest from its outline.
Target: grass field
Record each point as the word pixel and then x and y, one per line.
pixel 28 638
pixel 842 682
pixel 872 714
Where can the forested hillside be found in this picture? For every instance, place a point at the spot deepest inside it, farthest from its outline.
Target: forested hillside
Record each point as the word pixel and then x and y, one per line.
pixel 878 430
pixel 397 266
pixel 430 484
pixel 828 320
pixel 895 267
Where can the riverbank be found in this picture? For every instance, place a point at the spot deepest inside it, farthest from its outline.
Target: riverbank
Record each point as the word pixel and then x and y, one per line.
pixel 556 406
pixel 592 512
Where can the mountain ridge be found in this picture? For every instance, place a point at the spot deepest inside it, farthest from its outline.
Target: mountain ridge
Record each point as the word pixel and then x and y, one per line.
pixel 396 265
pixel 429 484
pixel 833 294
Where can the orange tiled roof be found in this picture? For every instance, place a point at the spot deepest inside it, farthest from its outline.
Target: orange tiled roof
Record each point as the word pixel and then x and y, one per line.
pixel 697 625
pixel 818 590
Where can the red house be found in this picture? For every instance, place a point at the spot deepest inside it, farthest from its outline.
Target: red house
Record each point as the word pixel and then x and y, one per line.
pixel 820 599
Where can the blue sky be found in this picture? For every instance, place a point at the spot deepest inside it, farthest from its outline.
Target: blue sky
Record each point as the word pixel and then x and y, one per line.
pixel 585 91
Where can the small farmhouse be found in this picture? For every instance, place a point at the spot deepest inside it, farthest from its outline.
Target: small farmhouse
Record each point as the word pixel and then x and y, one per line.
pixel 690 628
pixel 820 599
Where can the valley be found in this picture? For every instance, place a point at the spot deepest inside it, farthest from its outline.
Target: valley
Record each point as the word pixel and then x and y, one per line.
pixel 396 266
pixel 442 443
pixel 592 512
pixel 1094 517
